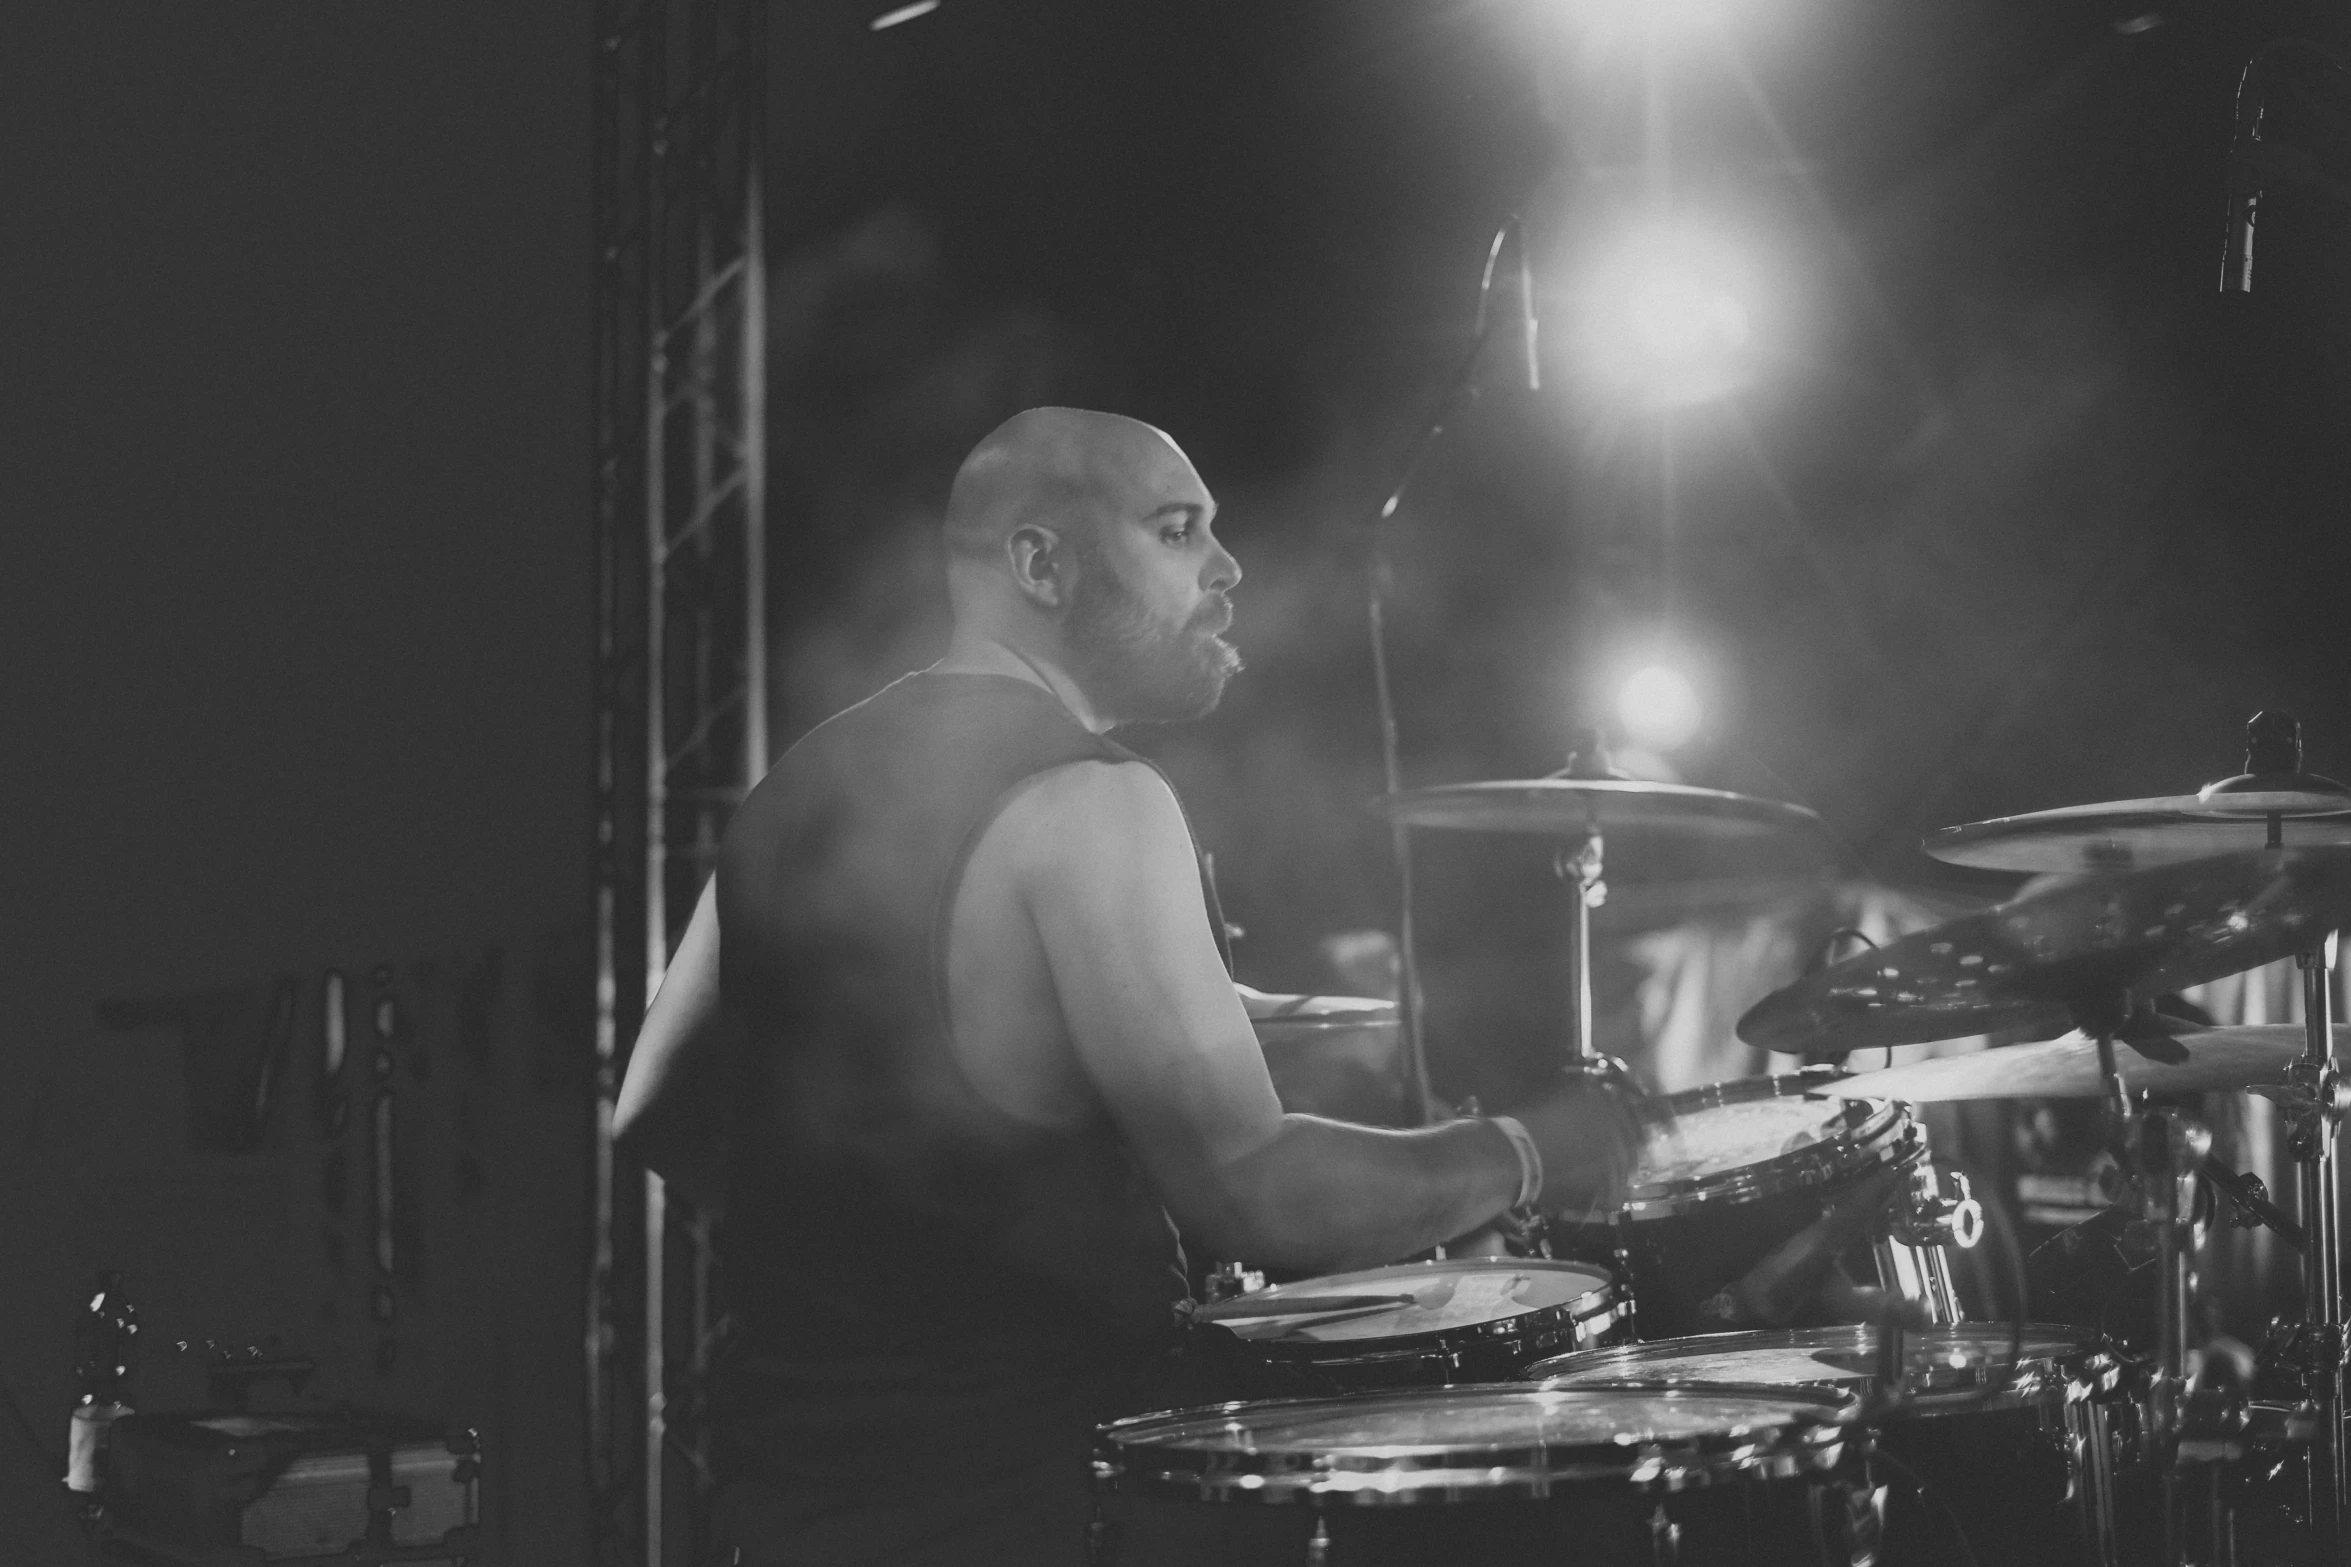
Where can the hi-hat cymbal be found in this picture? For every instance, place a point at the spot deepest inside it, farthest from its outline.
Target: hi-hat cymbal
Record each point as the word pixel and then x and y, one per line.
pixel 2064 954
pixel 2067 1068
pixel 2121 834
pixel 1632 814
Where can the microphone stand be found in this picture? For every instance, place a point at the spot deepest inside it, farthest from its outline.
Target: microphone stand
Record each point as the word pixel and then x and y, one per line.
pixel 2255 160
pixel 1460 393
pixel 2315 1099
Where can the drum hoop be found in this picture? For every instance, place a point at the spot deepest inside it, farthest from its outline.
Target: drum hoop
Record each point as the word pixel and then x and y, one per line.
pixel 2086 1368
pixel 1887 1135
pixel 1602 1307
pixel 1776 1449
pixel 1321 1023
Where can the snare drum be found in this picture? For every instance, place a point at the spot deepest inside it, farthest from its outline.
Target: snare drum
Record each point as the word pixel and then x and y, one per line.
pixel 1497 1476
pixel 1743 1167
pixel 1470 1319
pixel 2026 1454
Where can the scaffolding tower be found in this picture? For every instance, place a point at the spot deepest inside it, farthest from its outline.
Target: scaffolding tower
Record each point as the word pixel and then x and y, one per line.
pixel 680 688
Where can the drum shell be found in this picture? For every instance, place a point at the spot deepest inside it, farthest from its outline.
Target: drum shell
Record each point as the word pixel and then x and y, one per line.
pixel 1678 1245
pixel 2030 1458
pixel 2033 1486
pixel 1768 1495
pixel 1758 1522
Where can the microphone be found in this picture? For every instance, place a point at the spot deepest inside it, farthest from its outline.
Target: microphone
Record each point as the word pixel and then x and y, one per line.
pixel 2244 188
pixel 1531 326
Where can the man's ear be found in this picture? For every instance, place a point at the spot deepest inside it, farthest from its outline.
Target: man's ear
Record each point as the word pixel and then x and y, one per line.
pixel 1040 564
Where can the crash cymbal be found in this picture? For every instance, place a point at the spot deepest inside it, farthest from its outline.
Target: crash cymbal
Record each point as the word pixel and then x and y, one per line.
pixel 2067 1068
pixel 2122 834
pixel 2070 953
pixel 2273 803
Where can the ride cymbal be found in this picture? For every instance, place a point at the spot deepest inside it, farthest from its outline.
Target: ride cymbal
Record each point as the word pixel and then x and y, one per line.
pixel 2122 834
pixel 2273 803
pixel 1636 818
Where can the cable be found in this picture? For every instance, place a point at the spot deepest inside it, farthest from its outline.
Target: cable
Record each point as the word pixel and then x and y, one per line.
pixel 1931 1499
pixel 2260 57
pixel 2004 1222
pixel 1459 393
pixel 1822 958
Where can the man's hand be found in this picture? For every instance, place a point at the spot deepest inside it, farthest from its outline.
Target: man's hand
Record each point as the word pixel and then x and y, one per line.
pixel 1589 1137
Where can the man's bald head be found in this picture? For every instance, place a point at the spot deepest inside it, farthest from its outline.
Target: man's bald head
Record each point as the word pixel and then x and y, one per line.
pixel 1068 469
pixel 1085 541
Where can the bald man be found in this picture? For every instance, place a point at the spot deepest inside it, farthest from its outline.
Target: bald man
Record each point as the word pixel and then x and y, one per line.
pixel 980 1042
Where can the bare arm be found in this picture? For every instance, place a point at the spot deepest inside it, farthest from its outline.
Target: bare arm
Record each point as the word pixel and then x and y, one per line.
pixel 1108 878
pixel 667 1111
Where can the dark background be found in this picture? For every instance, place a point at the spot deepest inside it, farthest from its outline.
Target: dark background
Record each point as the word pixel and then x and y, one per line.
pixel 2014 512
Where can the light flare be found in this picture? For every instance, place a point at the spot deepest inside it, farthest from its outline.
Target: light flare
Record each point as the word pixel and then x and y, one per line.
pixel 1659 707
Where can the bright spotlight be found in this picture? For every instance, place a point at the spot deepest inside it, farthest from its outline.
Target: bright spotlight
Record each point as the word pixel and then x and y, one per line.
pixel 1670 320
pixel 1658 707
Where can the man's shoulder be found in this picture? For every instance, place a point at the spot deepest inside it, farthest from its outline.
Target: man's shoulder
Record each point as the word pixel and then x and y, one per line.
pixel 1112 784
pixel 1079 811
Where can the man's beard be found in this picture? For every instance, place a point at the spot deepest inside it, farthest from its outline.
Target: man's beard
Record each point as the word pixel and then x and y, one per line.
pixel 1135 670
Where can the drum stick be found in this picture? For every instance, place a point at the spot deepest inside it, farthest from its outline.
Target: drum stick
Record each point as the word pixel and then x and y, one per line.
pixel 1244 1306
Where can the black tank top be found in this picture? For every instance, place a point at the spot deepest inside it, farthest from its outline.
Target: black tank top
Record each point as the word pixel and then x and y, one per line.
pixel 885 1226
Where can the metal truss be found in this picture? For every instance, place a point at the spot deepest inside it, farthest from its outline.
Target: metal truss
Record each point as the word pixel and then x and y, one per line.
pixel 680 698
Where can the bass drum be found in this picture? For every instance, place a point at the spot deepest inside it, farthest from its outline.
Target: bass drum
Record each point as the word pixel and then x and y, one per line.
pixel 1468 1319
pixel 2024 1454
pixel 1695 1476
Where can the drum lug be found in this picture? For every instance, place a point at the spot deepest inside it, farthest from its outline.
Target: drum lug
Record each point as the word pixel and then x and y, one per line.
pixel 1928 1218
pixel 1665 1540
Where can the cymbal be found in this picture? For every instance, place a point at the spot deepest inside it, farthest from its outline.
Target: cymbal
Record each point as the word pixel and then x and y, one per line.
pixel 2120 834
pixel 1336 1056
pixel 2067 1068
pixel 2068 953
pixel 1274 1013
pixel 1631 813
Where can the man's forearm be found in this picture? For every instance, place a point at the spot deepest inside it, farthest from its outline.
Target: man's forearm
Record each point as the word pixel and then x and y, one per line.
pixel 1326 1194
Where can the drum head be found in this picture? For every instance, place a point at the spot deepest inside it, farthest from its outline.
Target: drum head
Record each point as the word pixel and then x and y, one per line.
pixel 1462 1443
pixel 1456 1295
pixel 1755 1137
pixel 1963 1359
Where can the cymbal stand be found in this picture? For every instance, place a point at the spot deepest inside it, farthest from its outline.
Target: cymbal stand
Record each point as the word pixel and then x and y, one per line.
pixel 2165 1152
pixel 2312 1102
pixel 1579 865
pixel 1460 392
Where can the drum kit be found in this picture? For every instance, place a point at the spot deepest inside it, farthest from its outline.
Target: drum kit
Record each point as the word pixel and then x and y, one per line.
pixel 1694 1377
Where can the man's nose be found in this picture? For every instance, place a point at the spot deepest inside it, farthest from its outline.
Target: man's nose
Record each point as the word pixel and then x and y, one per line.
pixel 1224 572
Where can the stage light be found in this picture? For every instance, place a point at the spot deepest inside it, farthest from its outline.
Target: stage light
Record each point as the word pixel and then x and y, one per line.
pixel 1658 707
pixel 1670 320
